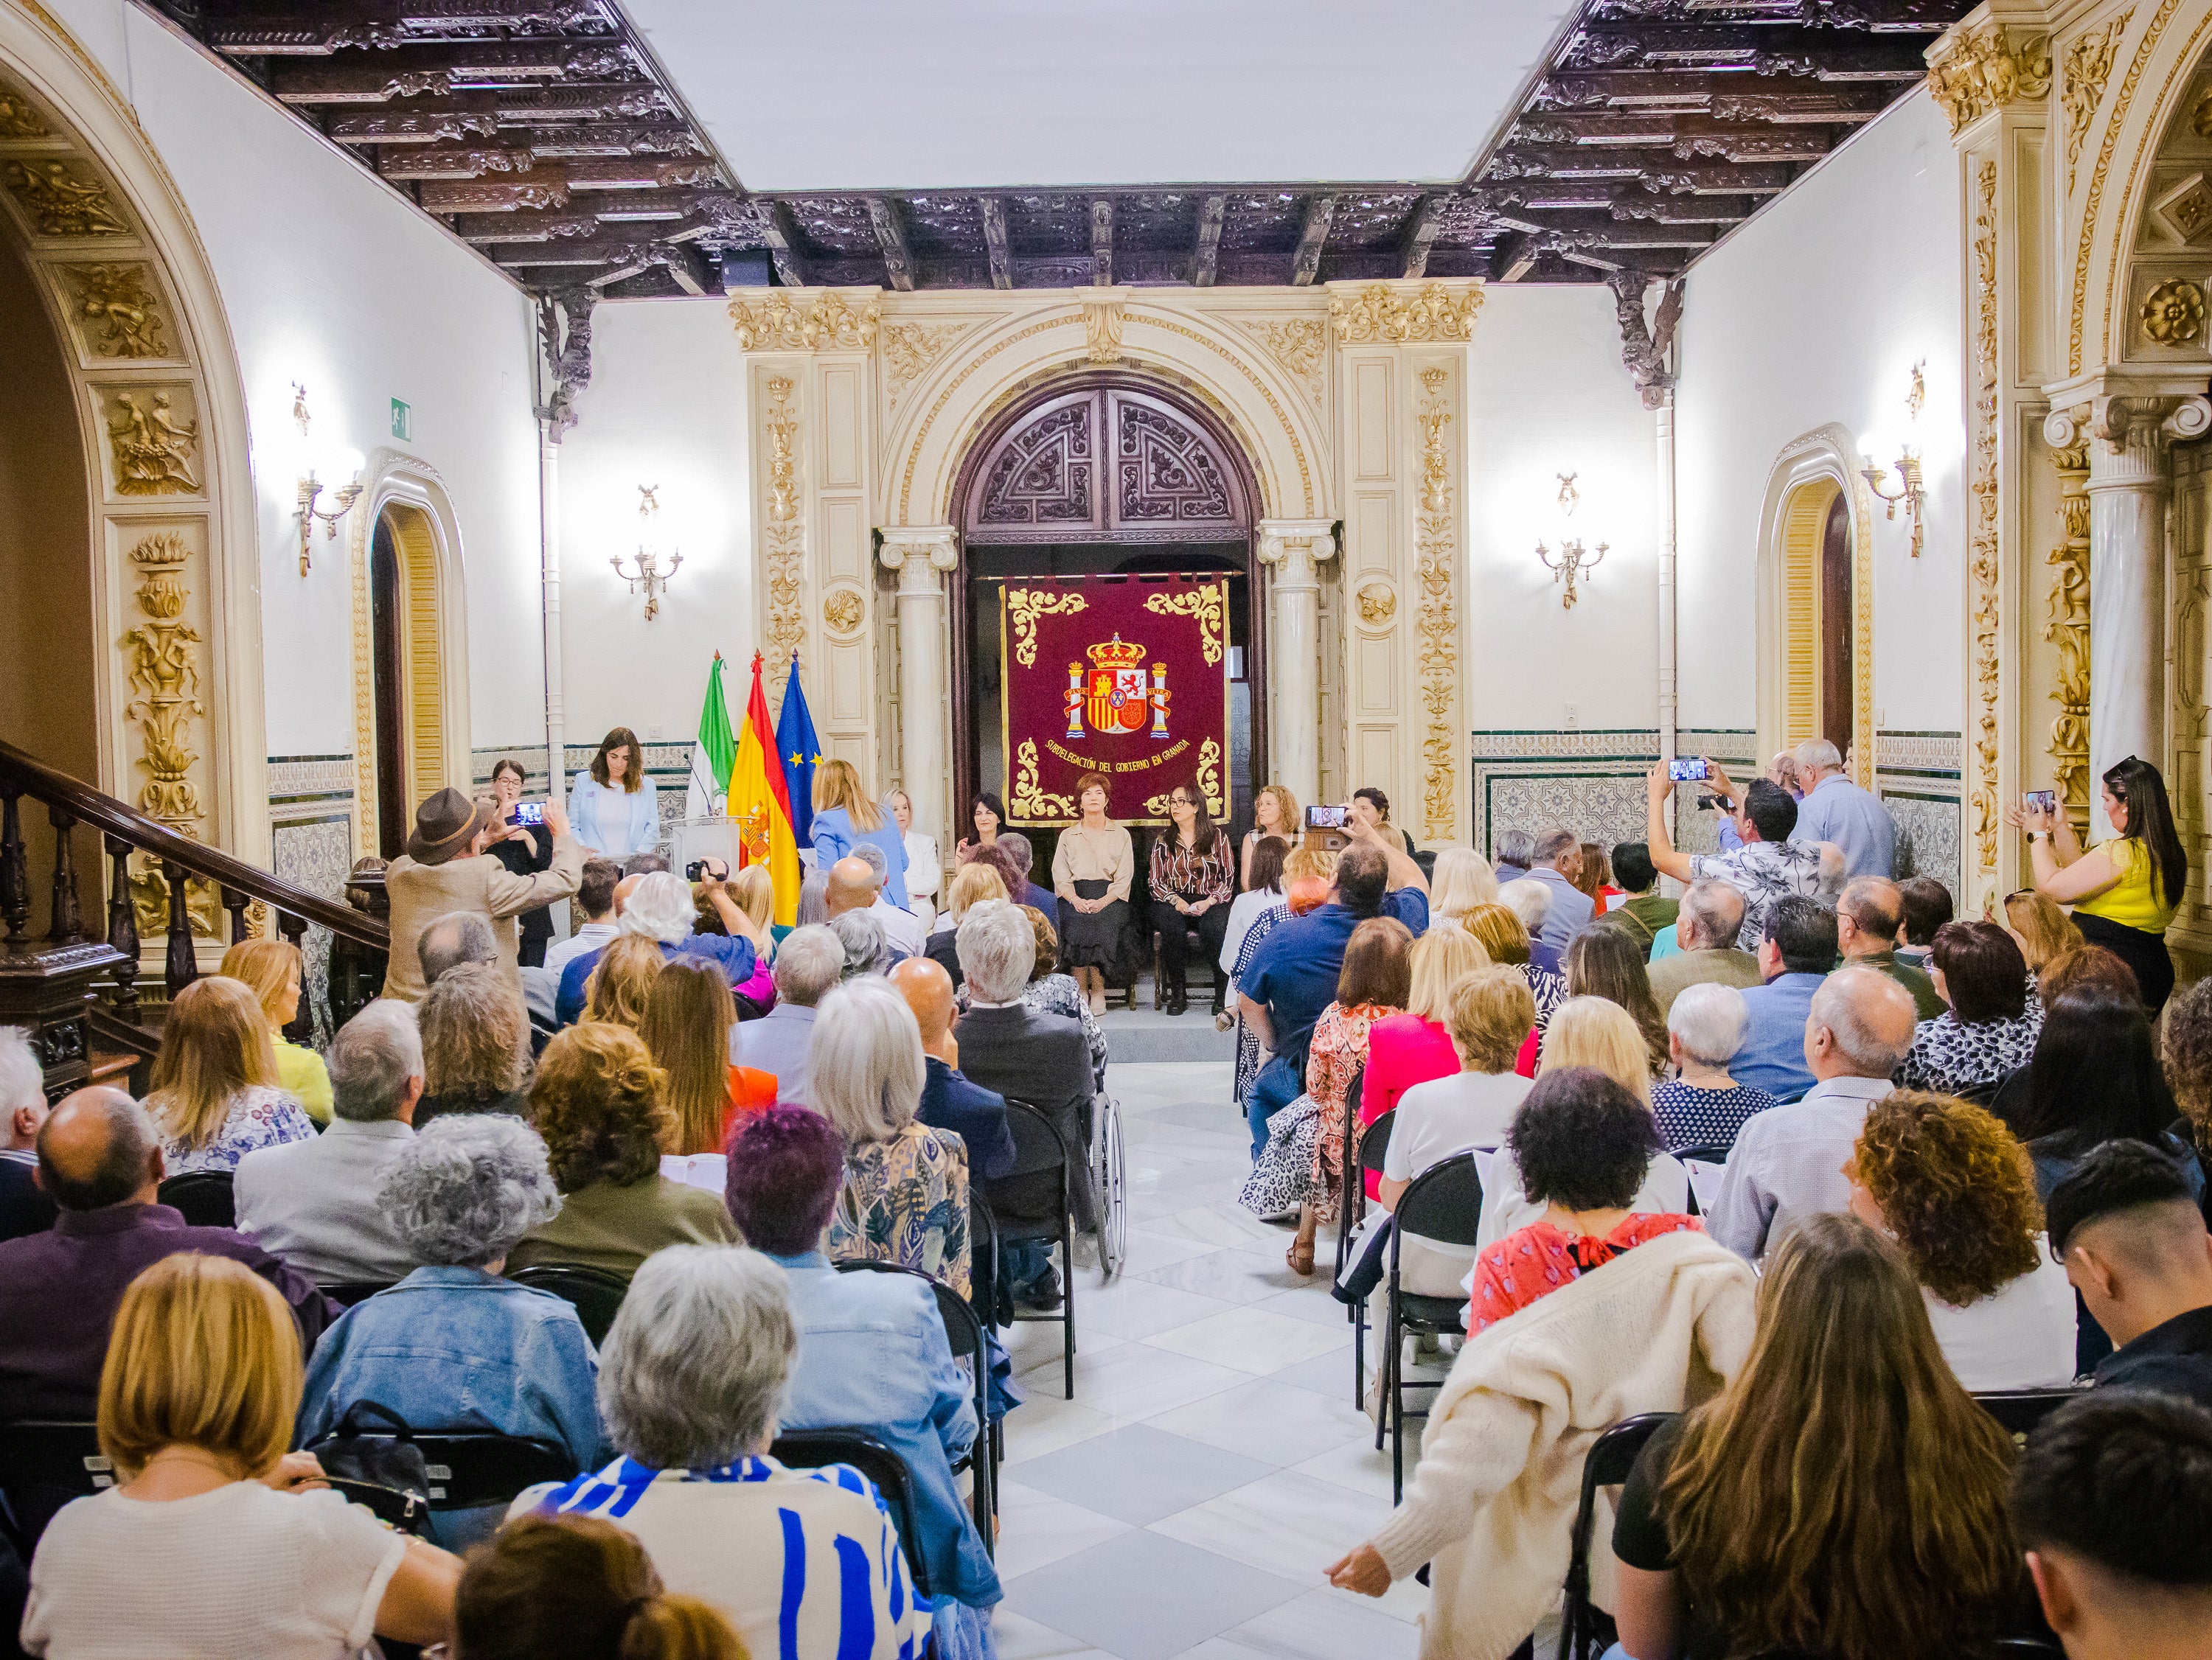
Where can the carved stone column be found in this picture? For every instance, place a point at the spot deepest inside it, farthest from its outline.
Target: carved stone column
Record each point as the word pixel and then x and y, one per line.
pixel 1293 549
pixel 921 558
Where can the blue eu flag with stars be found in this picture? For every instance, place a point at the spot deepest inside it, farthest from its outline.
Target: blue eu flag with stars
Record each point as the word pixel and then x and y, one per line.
pixel 800 748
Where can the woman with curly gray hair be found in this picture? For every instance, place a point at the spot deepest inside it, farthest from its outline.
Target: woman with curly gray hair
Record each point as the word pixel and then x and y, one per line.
pixel 452 1346
pixel 476 1045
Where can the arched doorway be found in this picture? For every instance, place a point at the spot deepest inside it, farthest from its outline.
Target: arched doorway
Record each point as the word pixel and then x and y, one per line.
pixel 409 697
pixel 1106 474
pixel 1816 597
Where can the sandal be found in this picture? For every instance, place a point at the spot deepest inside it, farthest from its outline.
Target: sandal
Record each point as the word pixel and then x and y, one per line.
pixel 1300 1256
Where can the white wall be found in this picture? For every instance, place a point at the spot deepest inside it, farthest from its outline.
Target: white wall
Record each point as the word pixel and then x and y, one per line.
pixel 328 279
pixel 665 408
pixel 1816 312
pixel 1548 395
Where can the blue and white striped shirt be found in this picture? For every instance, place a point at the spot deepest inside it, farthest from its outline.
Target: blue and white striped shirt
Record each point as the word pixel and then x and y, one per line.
pixel 805 1563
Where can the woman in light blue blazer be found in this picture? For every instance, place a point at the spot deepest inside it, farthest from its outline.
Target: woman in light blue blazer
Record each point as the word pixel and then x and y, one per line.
pixel 614 809
pixel 843 814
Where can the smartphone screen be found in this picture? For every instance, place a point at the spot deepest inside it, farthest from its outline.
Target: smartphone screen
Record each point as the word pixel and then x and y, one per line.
pixel 530 812
pixel 1684 771
pixel 1325 818
pixel 2044 800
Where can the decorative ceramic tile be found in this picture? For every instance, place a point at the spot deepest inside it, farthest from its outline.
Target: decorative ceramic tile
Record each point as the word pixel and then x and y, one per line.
pixel 1928 840
pixel 1921 753
pixel 296 778
pixel 316 854
pixel 1590 779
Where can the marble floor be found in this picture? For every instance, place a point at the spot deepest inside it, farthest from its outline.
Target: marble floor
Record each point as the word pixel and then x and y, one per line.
pixel 1211 1463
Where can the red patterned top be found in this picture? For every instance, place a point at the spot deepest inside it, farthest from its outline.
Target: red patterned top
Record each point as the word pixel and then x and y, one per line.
pixel 1530 1263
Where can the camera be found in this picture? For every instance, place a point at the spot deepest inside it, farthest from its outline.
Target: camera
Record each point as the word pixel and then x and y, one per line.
pixel 696 871
pixel 1708 803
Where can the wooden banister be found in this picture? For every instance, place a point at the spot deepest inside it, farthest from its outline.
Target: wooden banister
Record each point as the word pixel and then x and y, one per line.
pixel 69 800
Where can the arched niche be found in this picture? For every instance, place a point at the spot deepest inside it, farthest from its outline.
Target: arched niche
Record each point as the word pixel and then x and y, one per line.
pixel 1800 617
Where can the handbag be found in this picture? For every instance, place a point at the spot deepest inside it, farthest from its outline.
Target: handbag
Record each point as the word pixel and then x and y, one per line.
pixel 385 1472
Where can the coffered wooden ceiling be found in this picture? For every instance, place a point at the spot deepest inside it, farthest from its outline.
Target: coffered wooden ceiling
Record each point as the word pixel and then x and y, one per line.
pixel 546 134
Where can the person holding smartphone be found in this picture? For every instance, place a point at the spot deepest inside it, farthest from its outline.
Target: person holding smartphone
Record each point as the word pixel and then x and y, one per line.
pixel 520 841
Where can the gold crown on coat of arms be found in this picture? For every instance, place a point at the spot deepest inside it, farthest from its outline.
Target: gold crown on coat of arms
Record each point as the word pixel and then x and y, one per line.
pixel 1117 653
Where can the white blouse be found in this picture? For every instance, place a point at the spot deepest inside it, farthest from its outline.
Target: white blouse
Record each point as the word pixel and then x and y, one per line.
pixel 2020 1337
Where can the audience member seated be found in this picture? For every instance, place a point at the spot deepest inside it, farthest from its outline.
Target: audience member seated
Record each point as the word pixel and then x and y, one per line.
pixel 1946 1181
pixel 1583 1146
pixel 1413 1047
pixel 1605 962
pixel 1299 1171
pixel 1788 1162
pixel 1275 813
pixel 455 940
pixel 1491 1505
pixel 973 883
pixel 1868 916
pixel 1292 979
pixel 314 1203
pixel 872 1354
pixel 2127 1227
pixel 661 908
pixel 1051 992
pixel 25 1207
pixel 905 1198
pixel 692 1378
pixel 476 1045
pixel 752 890
pixel 1263 891
pixel 1023 890
pixel 595 899
pixel 598 1100
pixel 949 1100
pixel 100 1157
pixel 1990 1028
pixel 2112 1501
pixel 1041 1060
pixel 577 1587
pixel 216 1541
pixel 621 983
pixel 1705 929
pixel 1305 892
pixel 689 1017
pixel 272 969
pixel 1530 901
pixel 1643 911
pixel 1463 880
pixel 1767 865
pixel 1503 936
pixel 2095 1078
pixel 1559 863
pixel 1595 879
pixel 1513 852
pixel 1586 1032
pixel 807 966
pixel 215 1090
pixel 453 1346
pixel 2186 1042
pixel 1705 1105
pixel 1727 1540
pixel 1192 878
pixel 902 930
pixel 2041 928
pixel 1927 906
pixel 867 952
pixel 1794 960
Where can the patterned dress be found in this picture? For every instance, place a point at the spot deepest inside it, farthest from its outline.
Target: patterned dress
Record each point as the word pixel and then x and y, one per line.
pixel 905 1201
pixel 1947 1055
pixel 1248 1041
pixel 259 1117
pixel 1339 1050
pixel 1538 1258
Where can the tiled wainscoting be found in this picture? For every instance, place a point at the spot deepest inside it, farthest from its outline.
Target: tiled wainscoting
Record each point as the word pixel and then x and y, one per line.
pixel 311 839
pixel 1590 779
pixel 1916 775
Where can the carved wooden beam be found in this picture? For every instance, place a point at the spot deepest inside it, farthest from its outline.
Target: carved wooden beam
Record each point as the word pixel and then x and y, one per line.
pixel 484 228
pixel 890 235
pixel 1205 259
pixel 438 161
pixel 1306 262
pixel 1666 174
pixel 1516 253
pixel 690 267
pixel 1762 49
pixel 779 230
pixel 1101 241
pixel 993 209
pixel 1421 227
pixel 419 69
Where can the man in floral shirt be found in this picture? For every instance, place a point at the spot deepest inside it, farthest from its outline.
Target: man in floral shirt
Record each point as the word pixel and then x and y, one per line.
pixel 1766 866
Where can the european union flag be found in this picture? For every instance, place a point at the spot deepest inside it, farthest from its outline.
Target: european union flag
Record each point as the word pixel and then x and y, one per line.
pixel 800 749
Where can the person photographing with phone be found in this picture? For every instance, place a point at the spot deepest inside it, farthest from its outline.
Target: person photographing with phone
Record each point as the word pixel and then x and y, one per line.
pixel 2125 890
pixel 520 841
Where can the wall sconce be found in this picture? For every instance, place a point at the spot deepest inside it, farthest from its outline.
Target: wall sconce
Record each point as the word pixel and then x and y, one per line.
pixel 649 578
pixel 1910 490
pixel 310 490
pixel 1574 561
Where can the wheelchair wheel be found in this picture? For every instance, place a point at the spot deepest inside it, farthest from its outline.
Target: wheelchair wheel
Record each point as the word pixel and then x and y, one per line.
pixel 1109 1181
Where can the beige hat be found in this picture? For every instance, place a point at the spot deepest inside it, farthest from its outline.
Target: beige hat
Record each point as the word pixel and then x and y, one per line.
pixel 444 826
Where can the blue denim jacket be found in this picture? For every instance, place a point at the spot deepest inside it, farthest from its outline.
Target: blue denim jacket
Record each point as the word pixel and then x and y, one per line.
pixel 458 1348
pixel 872 1355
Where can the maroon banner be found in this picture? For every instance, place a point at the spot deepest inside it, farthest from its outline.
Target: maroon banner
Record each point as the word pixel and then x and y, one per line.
pixel 1123 675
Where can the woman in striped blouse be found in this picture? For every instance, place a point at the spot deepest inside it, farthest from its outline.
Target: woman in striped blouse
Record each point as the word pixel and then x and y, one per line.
pixel 1193 884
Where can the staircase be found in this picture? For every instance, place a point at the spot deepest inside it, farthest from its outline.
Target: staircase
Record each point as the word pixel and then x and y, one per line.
pixel 78 992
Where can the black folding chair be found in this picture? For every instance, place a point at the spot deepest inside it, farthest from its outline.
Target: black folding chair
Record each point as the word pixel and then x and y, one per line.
pixel 1606 1465
pixel 1372 1145
pixel 43 1466
pixel 963 1334
pixel 1442 1205
pixel 346 1292
pixel 1347 1178
pixel 812 1448
pixel 204 1196
pixel 472 1469
pixel 2020 1410
pixel 597 1294
pixel 1041 1150
pixel 1708 1155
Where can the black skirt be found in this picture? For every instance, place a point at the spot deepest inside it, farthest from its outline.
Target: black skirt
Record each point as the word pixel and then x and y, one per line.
pixel 2146 953
pixel 1100 939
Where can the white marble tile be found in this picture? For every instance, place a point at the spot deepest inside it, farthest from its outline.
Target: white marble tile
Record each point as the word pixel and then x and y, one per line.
pixel 1329 1624
pixel 1312 1301
pixel 1232 1276
pixel 1036 1344
pixel 1036 1530
pixel 1293 1525
pixel 1252 1340
pixel 1137 1308
pixel 1355 1462
pixel 1047 1421
pixel 1148 1250
pixel 1136 1380
pixel 1017 1636
pixel 1270 1422
pixel 1226 1223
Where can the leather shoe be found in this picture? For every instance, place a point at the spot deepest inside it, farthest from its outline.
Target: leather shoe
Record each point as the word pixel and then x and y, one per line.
pixel 1041 1295
pixel 1178 1002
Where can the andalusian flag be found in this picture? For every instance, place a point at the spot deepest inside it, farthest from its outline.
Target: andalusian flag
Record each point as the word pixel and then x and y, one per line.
pixel 801 751
pixel 713 753
pixel 761 802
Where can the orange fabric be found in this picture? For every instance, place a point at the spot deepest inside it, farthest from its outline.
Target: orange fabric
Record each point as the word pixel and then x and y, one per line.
pixel 1540 1258
pixel 752 1092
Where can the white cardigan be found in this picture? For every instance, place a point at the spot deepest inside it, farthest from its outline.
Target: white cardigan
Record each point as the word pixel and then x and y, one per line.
pixel 1491 1506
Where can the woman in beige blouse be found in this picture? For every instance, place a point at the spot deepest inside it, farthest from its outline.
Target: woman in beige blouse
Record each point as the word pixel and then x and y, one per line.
pixel 1092 872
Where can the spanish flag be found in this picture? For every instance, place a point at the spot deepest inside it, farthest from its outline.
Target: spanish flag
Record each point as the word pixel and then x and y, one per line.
pixel 760 801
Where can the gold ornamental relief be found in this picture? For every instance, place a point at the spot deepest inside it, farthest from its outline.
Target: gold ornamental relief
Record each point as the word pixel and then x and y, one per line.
pixel 1025 800
pixel 1026 605
pixel 118 307
pixel 1986 68
pixel 2067 628
pixel 1984 571
pixel 2174 313
pixel 1382 315
pixel 1298 345
pixel 1437 545
pixel 19 117
pixel 2088 66
pixel 1377 604
pixel 910 348
pixel 783 553
pixel 1203 604
pixel 826 322
pixel 61 202
pixel 844 611
pixel 152 447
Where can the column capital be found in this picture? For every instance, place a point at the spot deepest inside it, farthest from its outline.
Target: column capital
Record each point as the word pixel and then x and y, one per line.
pixel 1997 55
pixel 918 553
pixel 1316 538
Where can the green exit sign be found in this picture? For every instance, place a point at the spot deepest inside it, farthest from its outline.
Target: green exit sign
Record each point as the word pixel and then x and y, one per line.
pixel 403 420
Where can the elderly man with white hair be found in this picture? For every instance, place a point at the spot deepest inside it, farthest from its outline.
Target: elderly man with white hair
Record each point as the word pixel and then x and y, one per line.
pixel 1705 1106
pixel 24 1206
pixel 660 908
pixel 1043 1060
pixel 1788 1163
pixel 1835 810
pixel 808 965
pixel 314 1203
pixel 805 1563
pixel 1558 863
